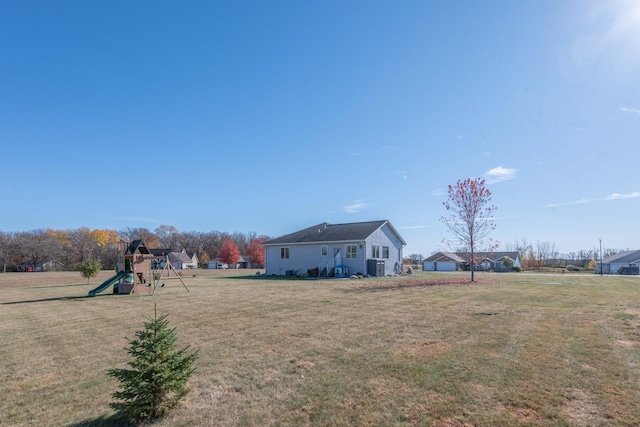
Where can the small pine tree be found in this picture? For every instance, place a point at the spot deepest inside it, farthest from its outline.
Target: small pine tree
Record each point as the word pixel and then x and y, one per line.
pixel 90 268
pixel 157 380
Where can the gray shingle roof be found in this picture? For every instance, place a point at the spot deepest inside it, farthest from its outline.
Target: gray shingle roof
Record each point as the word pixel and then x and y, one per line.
pixel 493 256
pixel 179 257
pixel 444 256
pixel 623 257
pixel 325 233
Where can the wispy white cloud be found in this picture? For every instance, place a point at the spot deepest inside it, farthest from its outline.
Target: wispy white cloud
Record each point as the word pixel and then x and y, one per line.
pixel 439 192
pixel 486 154
pixel 354 207
pixel 500 174
pixel 355 154
pixel 613 196
pixel 617 196
pixel 629 110
pixel 412 227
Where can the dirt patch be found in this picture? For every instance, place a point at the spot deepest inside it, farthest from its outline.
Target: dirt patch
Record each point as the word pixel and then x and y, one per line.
pixel 582 410
pixel 424 349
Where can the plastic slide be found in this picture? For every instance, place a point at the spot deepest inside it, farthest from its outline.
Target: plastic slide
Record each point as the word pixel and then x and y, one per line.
pixel 109 282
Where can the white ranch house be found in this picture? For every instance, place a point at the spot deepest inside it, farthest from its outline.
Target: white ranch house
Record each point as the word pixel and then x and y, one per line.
pixel 371 248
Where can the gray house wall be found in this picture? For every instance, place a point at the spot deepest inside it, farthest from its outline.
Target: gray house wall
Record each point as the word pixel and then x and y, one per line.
pixel 385 237
pixel 303 257
pixel 309 256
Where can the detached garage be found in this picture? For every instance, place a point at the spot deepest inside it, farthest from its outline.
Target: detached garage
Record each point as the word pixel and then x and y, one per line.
pixel 442 261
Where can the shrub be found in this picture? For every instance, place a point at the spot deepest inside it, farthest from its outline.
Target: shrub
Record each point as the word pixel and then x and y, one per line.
pixel 517 269
pixel 157 380
pixel 90 269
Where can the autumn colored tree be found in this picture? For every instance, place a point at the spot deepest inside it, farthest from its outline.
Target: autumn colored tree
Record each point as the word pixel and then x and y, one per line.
pixel 256 251
pixel 470 217
pixel 229 252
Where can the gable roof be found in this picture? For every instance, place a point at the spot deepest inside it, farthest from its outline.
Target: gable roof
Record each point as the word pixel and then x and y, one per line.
pixel 444 256
pixel 623 257
pixel 329 233
pixel 160 252
pixel 179 257
pixel 138 245
pixel 492 256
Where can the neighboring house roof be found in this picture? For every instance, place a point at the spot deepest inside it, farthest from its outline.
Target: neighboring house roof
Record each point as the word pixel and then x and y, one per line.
pixel 491 256
pixel 329 233
pixel 444 257
pixel 161 251
pixel 623 257
pixel 179 257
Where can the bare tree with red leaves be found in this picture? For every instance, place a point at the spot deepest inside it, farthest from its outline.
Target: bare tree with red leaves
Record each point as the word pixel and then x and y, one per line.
pixel 256 252
pixel 471 217
pixel 229 252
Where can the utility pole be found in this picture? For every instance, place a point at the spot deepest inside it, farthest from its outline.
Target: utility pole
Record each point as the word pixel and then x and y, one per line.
pixel 601 257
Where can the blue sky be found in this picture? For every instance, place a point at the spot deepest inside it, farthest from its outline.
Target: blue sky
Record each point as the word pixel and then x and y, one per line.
pixel 274 116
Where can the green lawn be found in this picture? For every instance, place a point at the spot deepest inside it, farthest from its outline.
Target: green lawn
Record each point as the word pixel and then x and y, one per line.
pixel 512 349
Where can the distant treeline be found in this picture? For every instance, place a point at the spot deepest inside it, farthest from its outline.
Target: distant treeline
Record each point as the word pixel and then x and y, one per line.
pixel 67 249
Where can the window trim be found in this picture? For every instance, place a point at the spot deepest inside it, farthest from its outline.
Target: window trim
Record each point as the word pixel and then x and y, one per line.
pixel 385 252
pixel 324 250
pixel 284 252
pixel 349 254
pixel 375 251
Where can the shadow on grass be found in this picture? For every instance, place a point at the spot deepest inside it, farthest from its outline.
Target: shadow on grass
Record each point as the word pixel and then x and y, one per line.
pixel 57 286
pixel 407 284
pixel 111 421
pixel 264 277
pixel 45 300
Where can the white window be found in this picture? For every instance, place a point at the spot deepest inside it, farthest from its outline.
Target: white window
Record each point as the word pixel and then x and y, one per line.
pixel 284 253
pixel 385 252
pixel 352 251
pixel 324 250
pixel 375 251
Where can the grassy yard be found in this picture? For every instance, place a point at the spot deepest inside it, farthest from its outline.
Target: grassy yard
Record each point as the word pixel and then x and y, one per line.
pixel 512 349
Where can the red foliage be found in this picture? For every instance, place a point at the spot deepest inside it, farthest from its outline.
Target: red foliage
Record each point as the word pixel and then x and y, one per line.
pixel 229 253
pixel 255 251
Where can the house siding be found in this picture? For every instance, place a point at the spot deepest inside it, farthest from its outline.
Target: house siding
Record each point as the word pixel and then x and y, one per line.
pixel 303 257
pixel 385 237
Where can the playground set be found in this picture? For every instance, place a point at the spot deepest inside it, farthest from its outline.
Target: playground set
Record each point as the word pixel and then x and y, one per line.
pixel 134 272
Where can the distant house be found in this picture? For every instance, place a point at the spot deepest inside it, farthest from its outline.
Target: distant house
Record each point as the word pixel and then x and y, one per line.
pixel 373 248
pixel 484 261
pixel 179 259
pixel 216 264
pixel 442 261
pixel 33 266
pixel 627 262
pixel 243 262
